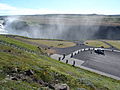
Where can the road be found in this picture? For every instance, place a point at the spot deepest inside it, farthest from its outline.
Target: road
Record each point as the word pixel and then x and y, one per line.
pixel 68 50
pixel 108 64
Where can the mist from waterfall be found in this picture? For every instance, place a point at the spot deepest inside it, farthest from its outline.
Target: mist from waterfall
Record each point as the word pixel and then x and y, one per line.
pixel 57 27
pixel 2 29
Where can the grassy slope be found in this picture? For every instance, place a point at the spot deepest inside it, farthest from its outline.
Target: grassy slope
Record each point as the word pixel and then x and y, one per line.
pixel 54 43
pixel 115 43
pixel 19 43
pixel 96 43
pixel 48 70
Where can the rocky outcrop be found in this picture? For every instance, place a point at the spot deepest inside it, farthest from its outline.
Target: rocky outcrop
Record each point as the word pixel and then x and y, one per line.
pixel 77 32
pixel 64 31
pixel 108 32
pixel 19 25
pixel 61 87
pixel 16 74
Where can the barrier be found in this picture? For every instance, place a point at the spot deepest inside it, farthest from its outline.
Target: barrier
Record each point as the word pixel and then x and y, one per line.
pixel 66 61
pixel 73 63
pixel 59 58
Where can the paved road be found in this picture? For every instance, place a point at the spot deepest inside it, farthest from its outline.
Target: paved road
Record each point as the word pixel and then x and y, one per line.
pixel 108 64
pixel 68 50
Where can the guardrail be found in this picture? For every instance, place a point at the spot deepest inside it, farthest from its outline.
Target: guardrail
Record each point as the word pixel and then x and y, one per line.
pixel 72 54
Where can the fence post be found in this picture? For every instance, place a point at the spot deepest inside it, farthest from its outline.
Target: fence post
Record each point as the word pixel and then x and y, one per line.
pixel 71 55
pixel 66 61
pixel 78 52
pixel 59 58
pixel 63 56
pixel 73 63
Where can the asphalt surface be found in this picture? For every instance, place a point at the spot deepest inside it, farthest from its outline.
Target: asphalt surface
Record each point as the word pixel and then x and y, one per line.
pixel 69 50
pixel 108 63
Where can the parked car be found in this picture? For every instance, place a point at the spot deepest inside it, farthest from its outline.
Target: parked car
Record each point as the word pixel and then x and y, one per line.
pixel 99 51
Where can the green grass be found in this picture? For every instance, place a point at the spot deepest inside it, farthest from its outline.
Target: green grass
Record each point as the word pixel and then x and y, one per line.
pixel 96 43
pixel 115 43
pixel 47 70
pixel 49 43
pixel 19 43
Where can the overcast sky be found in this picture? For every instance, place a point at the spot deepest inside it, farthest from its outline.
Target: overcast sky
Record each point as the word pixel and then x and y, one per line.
pixel 25 7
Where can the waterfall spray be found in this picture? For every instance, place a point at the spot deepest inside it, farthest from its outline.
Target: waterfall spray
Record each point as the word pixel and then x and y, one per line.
pixel 60 27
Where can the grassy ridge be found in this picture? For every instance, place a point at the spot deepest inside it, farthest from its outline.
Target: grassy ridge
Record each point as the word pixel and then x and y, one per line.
pixel 115 43
pixel 96 43
pixel 53 43
pixel 19 43
pixel 47 70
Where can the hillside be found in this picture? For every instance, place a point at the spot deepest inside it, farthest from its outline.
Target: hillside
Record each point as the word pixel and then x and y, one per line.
pixel 24 66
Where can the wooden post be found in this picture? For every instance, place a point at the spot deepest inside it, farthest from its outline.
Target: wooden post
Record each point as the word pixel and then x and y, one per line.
pixel 63 56
pixel 78 52
pixel 71 55
pixel 73 63
pixel 66 61
pixel 59 58
pixel 75 53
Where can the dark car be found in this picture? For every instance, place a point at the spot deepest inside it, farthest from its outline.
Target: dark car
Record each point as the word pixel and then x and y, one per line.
pixel 99 51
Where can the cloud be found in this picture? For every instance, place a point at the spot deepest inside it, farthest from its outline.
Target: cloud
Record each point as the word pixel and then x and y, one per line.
pixel 6 9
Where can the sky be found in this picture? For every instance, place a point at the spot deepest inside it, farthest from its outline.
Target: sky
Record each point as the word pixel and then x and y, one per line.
pixel 31 7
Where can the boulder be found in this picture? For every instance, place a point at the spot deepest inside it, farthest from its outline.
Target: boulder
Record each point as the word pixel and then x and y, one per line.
pixel 61 87
pixel 14 78
pixel 29 72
